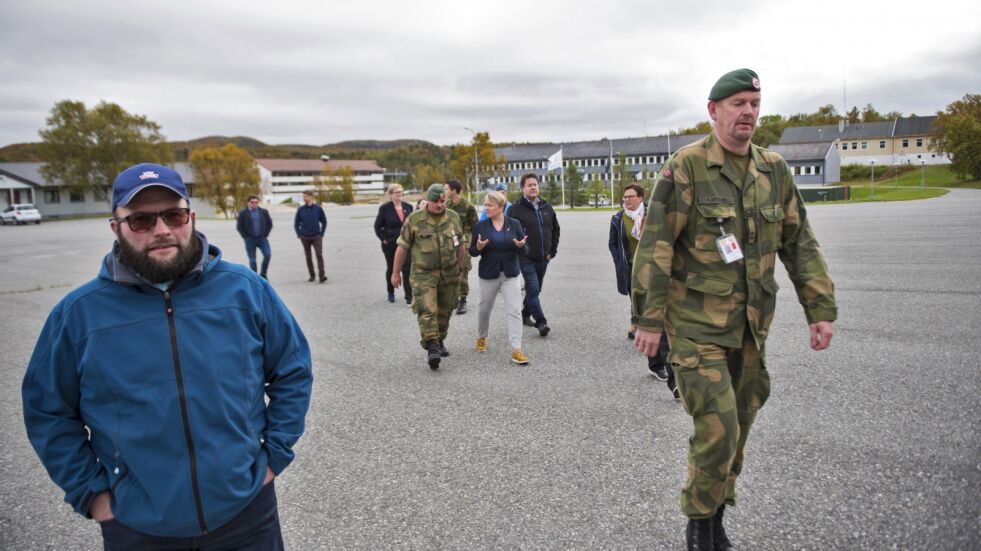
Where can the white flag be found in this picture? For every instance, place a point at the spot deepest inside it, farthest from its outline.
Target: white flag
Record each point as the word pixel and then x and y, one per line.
pixel 555 161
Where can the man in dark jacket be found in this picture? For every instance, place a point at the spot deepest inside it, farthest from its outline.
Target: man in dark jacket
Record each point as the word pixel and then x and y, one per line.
pixel 254 225
pixel 538 218
pixel 310 224
pixel 145 398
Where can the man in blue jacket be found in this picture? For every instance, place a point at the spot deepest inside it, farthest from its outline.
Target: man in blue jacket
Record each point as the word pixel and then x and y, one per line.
pixel 254 225
pixel 310 224
pixel 145 398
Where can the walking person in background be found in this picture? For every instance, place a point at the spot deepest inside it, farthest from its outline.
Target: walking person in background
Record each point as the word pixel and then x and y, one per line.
pixel 388 226
pixel 468 217
pixel 538 219
pixel 310 224
pixel 254 225
pixel 503 189
pixel 625 228
pixel 497 241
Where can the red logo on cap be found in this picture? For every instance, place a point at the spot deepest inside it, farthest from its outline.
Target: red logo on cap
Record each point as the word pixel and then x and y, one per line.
pixel 149 174
pixel 756 83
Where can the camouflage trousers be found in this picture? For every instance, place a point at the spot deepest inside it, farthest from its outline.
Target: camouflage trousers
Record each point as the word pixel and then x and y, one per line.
pixel 433 301
pixel 464 288
pixel 722 389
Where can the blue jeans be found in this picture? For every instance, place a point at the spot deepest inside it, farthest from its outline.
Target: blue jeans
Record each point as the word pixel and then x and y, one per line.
pixel 256 528
pixel 534 275
pixel 251 244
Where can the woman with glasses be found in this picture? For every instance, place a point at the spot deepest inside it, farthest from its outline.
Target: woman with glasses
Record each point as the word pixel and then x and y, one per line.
pixel 388 226
pixel 497 241
pixel 625 229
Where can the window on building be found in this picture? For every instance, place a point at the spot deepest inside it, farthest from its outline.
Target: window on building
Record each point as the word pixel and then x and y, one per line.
pixel 865 145
pixel 905 142
pixel 796 170
pixel 52 196
pixel 844 146
pixel 76 197
pixel 919 142
pixel 854 145
pixel 817 169
pixel 882 144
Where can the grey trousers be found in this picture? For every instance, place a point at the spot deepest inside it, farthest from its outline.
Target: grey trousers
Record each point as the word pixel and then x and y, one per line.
pixel 510 288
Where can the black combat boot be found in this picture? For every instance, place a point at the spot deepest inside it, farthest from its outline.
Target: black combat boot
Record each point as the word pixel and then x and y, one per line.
pixel 462 307
pixel 443 351
pixel 432 353
pixel 719 537
pixel 698 536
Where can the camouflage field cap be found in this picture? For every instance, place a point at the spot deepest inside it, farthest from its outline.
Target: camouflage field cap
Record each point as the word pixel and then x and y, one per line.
pixel 735 81
pixel 434 192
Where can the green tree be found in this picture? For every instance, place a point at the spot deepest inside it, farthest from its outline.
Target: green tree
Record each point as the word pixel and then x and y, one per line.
pixel 335 185
pixel 595 190
pixel 703 127
pixel 957 132
pixel 621 177
pixel 425 175
pixel 853 116
pixel 573 184
pixel 85 148
pixel 224 177
pixel 488 164
pixel 769 130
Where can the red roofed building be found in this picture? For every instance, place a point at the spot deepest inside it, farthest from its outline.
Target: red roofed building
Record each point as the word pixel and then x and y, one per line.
pixel 283 179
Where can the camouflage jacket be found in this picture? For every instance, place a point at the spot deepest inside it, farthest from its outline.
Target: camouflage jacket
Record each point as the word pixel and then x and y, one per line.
pixel 467 214
pixel 432 243
pixel 679 279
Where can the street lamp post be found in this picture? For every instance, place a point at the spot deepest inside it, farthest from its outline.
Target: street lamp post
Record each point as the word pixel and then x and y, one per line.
pixel 476 179
pixel 895 174
pixel 922 167
pixel 872 182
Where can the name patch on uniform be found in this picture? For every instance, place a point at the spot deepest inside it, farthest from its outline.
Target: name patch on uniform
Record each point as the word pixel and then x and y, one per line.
pixel 716 201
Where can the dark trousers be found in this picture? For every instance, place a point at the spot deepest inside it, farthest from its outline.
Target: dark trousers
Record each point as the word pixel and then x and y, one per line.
pixel 389 250
pixel 256 528
pixel 534 276
pixel 261 243
pixel 316 242
pixel 660 358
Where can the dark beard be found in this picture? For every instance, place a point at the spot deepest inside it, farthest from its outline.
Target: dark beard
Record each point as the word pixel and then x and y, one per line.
pixel 154 271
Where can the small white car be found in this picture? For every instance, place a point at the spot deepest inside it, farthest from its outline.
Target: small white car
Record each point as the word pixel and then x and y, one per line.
pixel 21 213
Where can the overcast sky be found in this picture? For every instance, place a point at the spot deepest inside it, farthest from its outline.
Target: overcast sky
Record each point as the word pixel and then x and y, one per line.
pixel 317 72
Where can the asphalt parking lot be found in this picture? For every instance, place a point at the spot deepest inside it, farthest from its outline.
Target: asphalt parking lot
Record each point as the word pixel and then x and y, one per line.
pixel 873 444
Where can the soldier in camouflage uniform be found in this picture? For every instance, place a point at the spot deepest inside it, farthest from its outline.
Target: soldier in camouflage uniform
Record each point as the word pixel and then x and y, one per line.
pixel 721 212
pixel 433 236
pixel 468 217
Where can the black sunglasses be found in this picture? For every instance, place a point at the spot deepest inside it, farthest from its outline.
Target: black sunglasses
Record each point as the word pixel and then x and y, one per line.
pixel 144 221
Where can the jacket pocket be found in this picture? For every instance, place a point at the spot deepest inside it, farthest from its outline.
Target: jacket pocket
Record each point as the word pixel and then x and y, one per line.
pixel 772 230
pixel 710 217
pixel 708 302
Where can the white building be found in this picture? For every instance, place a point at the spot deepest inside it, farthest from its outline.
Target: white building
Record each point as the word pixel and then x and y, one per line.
pixel 287 179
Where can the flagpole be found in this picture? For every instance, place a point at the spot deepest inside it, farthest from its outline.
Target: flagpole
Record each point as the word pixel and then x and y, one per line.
pixel 611 173
pixel 562 174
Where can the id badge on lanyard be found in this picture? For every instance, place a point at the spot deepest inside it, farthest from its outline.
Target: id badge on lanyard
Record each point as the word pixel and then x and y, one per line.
pixel 728 245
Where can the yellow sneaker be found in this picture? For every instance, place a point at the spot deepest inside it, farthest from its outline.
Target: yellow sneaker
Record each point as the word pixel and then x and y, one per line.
pixel 481 345
pixel 518 356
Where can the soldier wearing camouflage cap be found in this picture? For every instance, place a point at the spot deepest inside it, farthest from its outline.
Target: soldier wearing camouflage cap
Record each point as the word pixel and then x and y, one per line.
pixel 468 217
pixel 433 236
pixel 722 211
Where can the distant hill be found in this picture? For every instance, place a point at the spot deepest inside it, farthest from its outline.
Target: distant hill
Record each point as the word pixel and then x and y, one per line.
pixel 354 149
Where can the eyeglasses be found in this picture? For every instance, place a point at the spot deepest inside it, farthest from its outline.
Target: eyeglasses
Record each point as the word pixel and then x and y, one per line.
pixel 144 221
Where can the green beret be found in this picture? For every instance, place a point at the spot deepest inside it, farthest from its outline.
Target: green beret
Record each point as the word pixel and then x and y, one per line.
pixel 734 81
pixel 434 192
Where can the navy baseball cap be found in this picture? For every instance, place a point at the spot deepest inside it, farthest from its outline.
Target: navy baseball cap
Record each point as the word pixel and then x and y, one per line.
pixel 139 177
